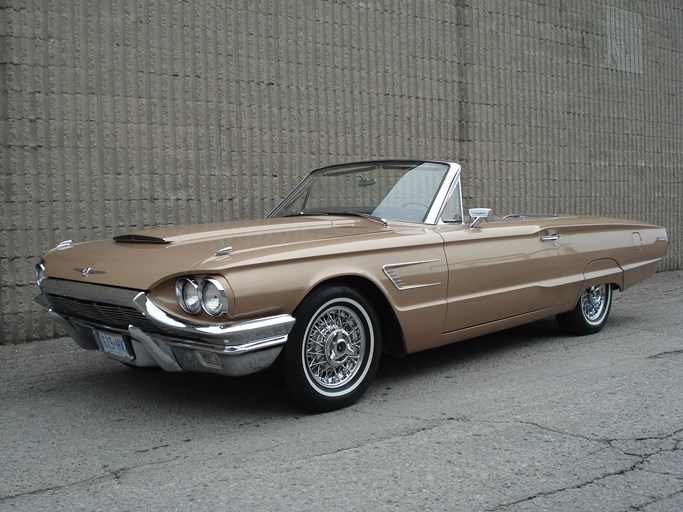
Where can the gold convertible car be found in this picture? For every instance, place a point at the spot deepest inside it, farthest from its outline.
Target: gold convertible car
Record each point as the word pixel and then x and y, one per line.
pixel 358 260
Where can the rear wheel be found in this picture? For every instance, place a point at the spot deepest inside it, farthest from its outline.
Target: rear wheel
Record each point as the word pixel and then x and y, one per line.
pixel 590 313
pixel 333 350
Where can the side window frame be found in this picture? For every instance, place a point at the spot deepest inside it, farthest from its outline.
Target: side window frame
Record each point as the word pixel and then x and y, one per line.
pixel 454 197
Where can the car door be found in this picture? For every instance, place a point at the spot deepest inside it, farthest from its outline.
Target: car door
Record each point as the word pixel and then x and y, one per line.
pixel 500 271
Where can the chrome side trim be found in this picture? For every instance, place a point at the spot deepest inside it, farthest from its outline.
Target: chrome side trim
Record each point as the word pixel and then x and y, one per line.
pixel 390 271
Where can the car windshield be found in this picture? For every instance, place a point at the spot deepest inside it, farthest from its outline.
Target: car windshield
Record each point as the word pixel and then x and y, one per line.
pixel 390 190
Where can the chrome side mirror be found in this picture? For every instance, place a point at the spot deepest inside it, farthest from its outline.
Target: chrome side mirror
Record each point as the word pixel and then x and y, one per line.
pixel 478 215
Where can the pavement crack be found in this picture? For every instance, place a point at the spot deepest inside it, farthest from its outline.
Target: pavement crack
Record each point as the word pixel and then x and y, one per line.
pixel 400 435
pixel 581 485
pixel 655 500
pixel 668 353
pixel 110 474
pixel 558 431
pixel 641 459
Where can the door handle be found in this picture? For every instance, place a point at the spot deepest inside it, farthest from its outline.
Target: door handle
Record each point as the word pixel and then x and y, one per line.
pixel 551 238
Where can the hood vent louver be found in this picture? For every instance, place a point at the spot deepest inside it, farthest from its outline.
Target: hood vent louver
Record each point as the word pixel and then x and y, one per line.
pixel 140 239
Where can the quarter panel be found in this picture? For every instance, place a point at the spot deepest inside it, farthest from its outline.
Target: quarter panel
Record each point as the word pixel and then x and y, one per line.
pixel 637 249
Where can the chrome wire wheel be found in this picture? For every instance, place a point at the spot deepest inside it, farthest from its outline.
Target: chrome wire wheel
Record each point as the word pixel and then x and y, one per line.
pixel 591 311
pixel 336 344
pixel 333 350
pixel 594 303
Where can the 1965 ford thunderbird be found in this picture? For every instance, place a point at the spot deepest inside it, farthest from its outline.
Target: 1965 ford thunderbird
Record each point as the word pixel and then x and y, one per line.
pixel 358 260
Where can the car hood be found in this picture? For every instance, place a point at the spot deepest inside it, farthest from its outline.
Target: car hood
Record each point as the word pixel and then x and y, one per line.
pixel 142 259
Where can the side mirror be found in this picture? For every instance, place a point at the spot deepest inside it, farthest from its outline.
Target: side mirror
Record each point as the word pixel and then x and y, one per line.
pixel 365 181
pixel 478 215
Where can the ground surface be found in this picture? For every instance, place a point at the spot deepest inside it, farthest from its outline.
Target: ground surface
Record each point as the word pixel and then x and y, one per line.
pixel 529 419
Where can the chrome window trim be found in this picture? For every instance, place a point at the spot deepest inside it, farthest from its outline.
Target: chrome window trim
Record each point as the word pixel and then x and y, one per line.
pixel 438 202
pixel 444 192
pixel 455 187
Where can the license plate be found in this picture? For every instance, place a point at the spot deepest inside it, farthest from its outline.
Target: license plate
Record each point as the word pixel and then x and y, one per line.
pixel 114 344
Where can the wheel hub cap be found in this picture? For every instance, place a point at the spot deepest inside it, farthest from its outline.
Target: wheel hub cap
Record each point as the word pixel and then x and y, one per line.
pixel 338 347
pixel 593 302
pixel 334 346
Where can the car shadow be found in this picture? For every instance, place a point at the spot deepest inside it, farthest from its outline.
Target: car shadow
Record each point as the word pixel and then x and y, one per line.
pixel 490 346
pixel 262 395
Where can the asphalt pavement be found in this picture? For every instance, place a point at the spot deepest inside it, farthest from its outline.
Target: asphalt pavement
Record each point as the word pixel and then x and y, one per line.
pixel 528 419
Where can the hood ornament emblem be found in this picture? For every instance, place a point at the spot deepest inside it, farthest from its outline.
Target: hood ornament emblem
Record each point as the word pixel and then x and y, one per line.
pixel 85 272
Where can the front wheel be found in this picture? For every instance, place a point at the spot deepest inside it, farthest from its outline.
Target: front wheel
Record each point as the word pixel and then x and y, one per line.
pixel 333 350
pixel 590 313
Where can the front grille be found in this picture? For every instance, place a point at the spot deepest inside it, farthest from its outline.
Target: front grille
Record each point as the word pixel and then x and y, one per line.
pixel 110 315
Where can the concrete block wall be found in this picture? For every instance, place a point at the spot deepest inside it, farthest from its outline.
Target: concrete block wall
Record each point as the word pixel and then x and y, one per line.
pixel 133 113
pixel 576 109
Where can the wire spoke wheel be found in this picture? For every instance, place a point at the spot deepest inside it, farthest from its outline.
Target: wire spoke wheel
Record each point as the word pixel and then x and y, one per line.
pixel 334 349
pixel 594 302
pixel 591 311
pixel 335 346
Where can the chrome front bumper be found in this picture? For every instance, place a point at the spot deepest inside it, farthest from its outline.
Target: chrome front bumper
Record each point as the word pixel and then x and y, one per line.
pixel 158 339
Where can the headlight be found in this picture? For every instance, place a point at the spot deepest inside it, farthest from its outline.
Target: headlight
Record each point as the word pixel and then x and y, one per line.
pixel 187 294
pixel 40 272
pixel 214 298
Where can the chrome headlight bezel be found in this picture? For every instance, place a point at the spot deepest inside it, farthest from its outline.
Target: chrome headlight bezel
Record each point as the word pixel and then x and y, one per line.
pixel 211 290
pixel 182 287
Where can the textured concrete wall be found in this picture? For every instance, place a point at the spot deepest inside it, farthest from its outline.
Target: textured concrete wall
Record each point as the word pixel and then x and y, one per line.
pixel 125 114
pixel 576 108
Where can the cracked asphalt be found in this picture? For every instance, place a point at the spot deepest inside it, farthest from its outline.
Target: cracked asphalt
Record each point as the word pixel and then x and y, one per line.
pixel 525 420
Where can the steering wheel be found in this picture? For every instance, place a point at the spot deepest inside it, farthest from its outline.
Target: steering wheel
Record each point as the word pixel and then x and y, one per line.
pixel 414 203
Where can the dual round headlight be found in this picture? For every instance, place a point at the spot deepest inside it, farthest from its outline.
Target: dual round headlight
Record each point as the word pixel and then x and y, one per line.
pixel 208 295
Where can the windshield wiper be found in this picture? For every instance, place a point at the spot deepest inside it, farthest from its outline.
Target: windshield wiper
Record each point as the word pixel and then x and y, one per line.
pixel 381 220
pixel 346 213
pixel 305 214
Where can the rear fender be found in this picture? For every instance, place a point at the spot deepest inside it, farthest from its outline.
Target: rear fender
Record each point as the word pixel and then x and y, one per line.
pixel 599 272
pixel 603 271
